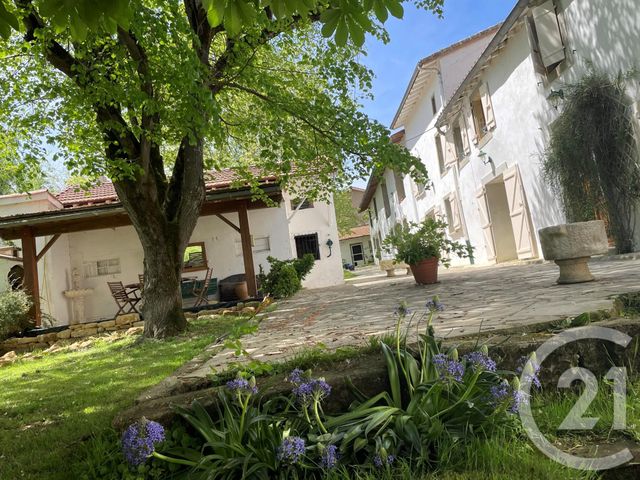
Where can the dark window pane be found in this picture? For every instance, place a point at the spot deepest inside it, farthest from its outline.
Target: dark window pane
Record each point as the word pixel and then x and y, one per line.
pixel 308 244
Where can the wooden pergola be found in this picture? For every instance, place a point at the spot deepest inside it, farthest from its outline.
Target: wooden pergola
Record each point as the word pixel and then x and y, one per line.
pixel 27 227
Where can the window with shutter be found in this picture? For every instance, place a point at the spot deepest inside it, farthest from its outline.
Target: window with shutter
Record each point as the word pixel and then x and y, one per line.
pixel 470 123
pixel 464 136
pixel 385 199
pixel 487 107
pixel 434 107
pixel 479 121
pixel 449 149
pixel 457 141
pixel 399 186
pixel 549 44
pixel 440 154
pixel 453 214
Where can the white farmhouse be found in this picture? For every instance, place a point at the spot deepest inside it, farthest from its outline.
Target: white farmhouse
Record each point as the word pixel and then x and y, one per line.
pixel 87 235
pixel 484 148
pixel 392 198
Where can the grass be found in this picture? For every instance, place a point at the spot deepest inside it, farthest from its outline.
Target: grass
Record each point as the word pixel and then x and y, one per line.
pixel 50 406
pixel 550 410
pixel 348 274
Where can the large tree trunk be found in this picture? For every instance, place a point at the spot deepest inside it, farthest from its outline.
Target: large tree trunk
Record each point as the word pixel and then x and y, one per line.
pixel 164 214
pixel 162 308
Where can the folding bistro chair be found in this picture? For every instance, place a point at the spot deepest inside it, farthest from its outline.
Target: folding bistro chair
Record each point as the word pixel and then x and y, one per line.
pixel 200 290
pixel 126 301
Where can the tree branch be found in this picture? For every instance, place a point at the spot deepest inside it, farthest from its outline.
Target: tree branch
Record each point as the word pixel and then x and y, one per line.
pixel 323 133
pixel 107 116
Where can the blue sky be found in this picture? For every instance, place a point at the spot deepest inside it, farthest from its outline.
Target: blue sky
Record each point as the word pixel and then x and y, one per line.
pixel 417 35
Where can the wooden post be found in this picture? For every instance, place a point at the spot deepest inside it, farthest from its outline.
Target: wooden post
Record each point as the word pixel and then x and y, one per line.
pixel 30 281
pixel 247 252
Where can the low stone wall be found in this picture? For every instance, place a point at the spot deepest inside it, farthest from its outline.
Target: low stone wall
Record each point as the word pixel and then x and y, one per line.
pixel 368 372
pixel 79 330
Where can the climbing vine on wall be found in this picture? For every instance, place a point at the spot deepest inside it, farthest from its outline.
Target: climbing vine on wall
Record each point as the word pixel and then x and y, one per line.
pixel 592 159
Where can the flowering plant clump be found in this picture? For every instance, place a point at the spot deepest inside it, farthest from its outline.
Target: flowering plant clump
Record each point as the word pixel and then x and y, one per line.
pixel 329 457
pixel 530 368
pixel 447 368
pixel 434 305
pixel 291 450
pixel 505 395
pixel 309 393
pixel 291 437
pixel 381 459
pixel 242 385
pixel 313 389
pixel 139 441
pixel 480 360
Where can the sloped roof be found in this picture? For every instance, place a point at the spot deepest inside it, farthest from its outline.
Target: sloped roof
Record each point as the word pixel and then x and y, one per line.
pixel 374 179
pixel 425 69
pixel 492 49
pixel 362 231
pixel 103 192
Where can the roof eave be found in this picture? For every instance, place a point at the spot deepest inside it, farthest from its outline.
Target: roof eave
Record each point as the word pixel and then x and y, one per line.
pixel 495 42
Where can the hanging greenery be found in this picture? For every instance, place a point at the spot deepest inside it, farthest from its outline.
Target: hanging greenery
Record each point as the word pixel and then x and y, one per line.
pixel 592 159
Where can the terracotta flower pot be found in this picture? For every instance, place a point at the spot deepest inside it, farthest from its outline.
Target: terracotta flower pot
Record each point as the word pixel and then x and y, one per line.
pixel 426 271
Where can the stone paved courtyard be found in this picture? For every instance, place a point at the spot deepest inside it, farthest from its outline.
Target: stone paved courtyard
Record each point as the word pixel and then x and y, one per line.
pixel 476 298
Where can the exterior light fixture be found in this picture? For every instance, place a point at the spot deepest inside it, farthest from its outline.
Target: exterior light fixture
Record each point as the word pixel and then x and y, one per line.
pixel 329 244
pixel 555 98
pixel 486 159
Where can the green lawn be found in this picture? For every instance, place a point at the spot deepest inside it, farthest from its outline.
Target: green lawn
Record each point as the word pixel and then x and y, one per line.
pixel 55 410
pixel 49 407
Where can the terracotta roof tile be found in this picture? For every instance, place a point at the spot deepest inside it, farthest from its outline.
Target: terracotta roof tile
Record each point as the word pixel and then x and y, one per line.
pixel 103 192
pixel 356 232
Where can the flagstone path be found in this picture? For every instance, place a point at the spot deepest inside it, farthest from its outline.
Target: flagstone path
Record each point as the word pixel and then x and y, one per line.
pixel 476 299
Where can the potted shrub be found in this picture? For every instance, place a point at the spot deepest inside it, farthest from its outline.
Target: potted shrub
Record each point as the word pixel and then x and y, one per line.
pixel 423 246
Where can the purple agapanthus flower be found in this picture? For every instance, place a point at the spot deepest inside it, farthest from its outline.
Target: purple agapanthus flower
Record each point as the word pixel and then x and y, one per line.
pixel 504 393
pixel 402 310
pixel 533 375
pixel 448 369
pixel 315 388
pixel 291 450
pixel 296 376
pixel 480 361
pixel 241 385
pixel 140 439
pixel 435 305
pixel 379 461
pixel 329 458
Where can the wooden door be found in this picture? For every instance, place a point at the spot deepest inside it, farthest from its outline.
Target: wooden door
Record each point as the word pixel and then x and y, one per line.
pixel 519 213
pixel 485 223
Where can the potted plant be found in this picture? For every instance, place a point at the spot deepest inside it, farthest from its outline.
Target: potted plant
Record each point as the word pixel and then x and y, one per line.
pixel 423 246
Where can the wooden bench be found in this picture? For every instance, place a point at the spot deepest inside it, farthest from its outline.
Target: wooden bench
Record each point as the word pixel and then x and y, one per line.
pixel 390 267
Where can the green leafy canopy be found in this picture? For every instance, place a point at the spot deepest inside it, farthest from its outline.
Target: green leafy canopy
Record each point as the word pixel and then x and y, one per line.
pixel 281 82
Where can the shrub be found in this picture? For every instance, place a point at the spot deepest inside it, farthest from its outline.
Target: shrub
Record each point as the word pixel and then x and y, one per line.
pixel 285 276
pixel 14 312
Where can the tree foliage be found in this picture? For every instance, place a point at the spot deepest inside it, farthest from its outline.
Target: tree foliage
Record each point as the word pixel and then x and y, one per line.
pixel 593 158
pixel 347 216
pixel 151 93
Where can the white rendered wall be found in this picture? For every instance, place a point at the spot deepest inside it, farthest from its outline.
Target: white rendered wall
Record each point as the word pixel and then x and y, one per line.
pixel 345 249
pixel 320 219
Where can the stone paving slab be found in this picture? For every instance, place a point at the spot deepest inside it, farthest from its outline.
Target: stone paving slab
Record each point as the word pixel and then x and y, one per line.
pixel 477 299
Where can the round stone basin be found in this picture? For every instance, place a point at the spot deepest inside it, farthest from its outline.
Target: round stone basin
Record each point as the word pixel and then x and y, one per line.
pixel 571 246
pixel 82 292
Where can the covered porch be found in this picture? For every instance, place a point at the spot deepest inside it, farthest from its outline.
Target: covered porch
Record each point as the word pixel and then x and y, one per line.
pixel 231 207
